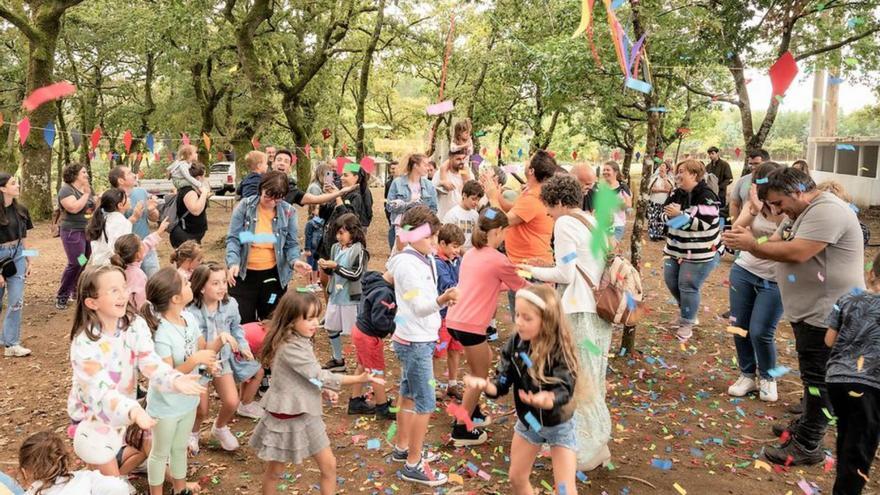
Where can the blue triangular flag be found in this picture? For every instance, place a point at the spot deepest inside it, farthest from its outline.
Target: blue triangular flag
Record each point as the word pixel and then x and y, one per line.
pixel 49 133
pixel 150 143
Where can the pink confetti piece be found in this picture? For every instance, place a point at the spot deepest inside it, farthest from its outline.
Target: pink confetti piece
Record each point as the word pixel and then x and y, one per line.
pixel 820 276
pixel 805 487
pixel 416 234
pixel 441 108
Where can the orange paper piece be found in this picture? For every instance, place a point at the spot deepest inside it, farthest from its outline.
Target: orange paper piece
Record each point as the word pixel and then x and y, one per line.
pixel 24 130
pixel 782 73
pixel 48 93
pixel 255 143
pixel 458 412
pixel 126 140
pixel 207 140
pixel 96 137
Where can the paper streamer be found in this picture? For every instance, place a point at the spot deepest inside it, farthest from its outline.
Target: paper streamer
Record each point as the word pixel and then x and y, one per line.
pixel 637 85
pixel 48 93
pixel 441 108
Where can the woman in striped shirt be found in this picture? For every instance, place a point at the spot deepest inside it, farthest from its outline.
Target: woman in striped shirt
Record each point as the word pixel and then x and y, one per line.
pixel 692 214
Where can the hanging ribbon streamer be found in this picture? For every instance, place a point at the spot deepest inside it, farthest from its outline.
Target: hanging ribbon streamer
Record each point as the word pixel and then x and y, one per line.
pixel 447 54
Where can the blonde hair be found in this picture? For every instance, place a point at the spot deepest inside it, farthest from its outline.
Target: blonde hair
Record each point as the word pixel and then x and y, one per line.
pixel 187 152
pixel 693 166
pixel 835 188
pixel 254 158
pixel 554 344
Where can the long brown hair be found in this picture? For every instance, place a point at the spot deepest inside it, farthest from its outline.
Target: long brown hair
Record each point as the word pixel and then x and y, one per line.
pixel 188 250
pixel 109 204
pixel 43 457
pixel 294 305
pixel 125 250
pixel 161 288
pixel 16 206
pixel 413 160
pixel 199 280
pixel 490 218
pixel 554 344
pixel 86 319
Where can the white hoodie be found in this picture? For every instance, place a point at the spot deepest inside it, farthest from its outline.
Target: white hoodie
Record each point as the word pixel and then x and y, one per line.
pixel 415 291
pixel 84 482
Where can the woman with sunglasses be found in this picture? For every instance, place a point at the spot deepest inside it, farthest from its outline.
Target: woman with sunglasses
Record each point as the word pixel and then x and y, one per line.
pixel 262 248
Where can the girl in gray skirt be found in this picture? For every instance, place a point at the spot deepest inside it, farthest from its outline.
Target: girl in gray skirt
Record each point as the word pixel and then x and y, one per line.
pixel 292 428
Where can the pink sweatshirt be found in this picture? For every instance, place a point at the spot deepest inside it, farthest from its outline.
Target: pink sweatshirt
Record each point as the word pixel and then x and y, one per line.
pixel 135 277
pixel 484 272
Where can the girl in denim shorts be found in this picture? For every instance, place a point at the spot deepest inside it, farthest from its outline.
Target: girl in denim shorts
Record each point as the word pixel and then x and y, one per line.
pixel 540 362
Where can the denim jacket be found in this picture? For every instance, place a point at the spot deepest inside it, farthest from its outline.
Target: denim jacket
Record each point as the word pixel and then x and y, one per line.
pixel 244 219
pixel 225 319
pixel 400 192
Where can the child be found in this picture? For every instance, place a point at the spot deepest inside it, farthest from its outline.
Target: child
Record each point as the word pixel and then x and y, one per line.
pixel 447 262
pixel 347 265
pixel 108 346
pixel 292 428
pixel 853 378
pixel 187 257
pixel 178 171
pixel 215 313
pixel 461 139
pixel 179 343
pixel 540 362
pixel 416 333
pixel 375 321
pixel 465 214
pixel 107 224
pixel 484 273
pixel 45 466
pixel 257 164
pixel 129 252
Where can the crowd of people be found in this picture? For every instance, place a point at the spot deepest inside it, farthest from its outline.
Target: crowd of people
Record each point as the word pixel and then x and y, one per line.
pixel 460 234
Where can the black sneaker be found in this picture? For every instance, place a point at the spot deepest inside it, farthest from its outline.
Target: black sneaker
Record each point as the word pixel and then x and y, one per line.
pixel 778 430
pixel 491 333
pixel 383 412
pixel 792 453
pixel 423 474
pixel 398 455
pixel 359 405
pixel 334 365
pixel 61 303
pixel 463 438
pixel 796 408
pixel 479 418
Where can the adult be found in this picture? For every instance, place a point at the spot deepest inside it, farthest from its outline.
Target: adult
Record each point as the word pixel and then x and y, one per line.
pixel 755 303
pixel 142 208
pixel 588 180
pixel 262 248
pixel 449 181
pixel 271 150
pixel 430 169
pixel 295 196
pixel 615 180
pixel 573 233
pixel 739 193
pixel 410 189
pixel 692 240
pixel 661 186
pixel 390 175
pixel 358 200
pixel 721 170
pixel 192 209
pixel 75 201
pixel 15 221
pixel 820 257
pixel 316 186
pixel 801 165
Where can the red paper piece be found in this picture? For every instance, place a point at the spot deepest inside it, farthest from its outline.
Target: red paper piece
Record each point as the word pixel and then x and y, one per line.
pixel 255 143
pixel 184 139
pixel 345 148
pixel 24 129
pixel 552 154
pixel 326 133
pixel 615 155
pixel 368 164
pixel 340 163
pixel 126 140
pixel 458 412
pixel 782 73
pixel 737 152
pixel 294 159
pixel 308 150
pixel 48 93
pixel 96 137
pixel 574 155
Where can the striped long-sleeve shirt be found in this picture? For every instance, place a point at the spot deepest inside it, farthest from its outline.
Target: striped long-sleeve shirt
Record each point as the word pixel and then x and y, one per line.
pixel 351 264
pixel 695 235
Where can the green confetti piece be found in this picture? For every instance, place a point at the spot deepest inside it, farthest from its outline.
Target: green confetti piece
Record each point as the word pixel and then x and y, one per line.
pixel 351 167
pixel 606 204
pixel 282 487
pixel 547 486
pixel 393 409
pixel 392 430
pixel 610 466
pixel 591 347
pixel 82 260
pixel 832 420
pixel 814 391
pixel 869 266
pixel 215 480
pixel 762 240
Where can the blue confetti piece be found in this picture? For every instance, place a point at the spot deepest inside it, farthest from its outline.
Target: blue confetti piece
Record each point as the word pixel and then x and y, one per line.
pixel 534 424
pixel 678 222
pixel 568 258
pixel 492 338
pixel 245 237
pixel 264 239
pixel 664 464
pixel 845 147
pixel 316 382
pixel 442 345
pixel 657 109
pixel 696 452
pixel 802 188
pixel 373 444
pixel 561 489
pixel 857 291
pixel 791 277
pixel 778 371
pixel 490 213
pixel 30 253
pixel 581 477
pixel 763 180
pixel 272 298
pixel 502 379
pixel 526 359
pixel 631 302
pixel 836 308
pixel 740 411
pixel 854 208
pixel 472 467
pixel 637 85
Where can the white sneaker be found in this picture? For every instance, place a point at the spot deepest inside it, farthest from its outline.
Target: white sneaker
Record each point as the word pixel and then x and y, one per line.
pixel 252 410
pixel 193 444
pixel 743 386
pixel 685 332
pixel 768 391
pixel 16 351
pixel 225 437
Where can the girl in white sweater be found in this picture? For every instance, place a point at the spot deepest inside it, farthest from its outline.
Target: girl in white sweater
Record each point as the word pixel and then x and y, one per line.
pixel 45 465
pixel 107 224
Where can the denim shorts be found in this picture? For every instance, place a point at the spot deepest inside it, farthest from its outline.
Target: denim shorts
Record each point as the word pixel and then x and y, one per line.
pixel 417 373
pixel 561 435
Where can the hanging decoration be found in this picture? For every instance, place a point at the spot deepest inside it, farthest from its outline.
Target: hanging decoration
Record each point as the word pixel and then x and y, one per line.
pixel 96 138
pixel 24 130
pixel 126 141
pixel 48 93
pixel 151 143
pixel 49 134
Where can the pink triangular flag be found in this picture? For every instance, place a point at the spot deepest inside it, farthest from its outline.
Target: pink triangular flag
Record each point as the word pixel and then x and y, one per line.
pixel 308 150
pixel 368 164
pixel 48 93
pixel 340 163
pixel 185 139
pixel 782 74
pixel 24 129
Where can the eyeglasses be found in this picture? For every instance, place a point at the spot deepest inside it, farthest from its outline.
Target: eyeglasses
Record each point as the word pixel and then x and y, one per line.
pixel 273 197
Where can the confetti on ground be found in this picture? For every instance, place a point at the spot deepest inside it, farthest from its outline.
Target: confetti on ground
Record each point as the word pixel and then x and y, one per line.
pixel 805 487
pixel 664 464
pixel 737 331
pixel 679 489
pixel 374 444
pixel 759 464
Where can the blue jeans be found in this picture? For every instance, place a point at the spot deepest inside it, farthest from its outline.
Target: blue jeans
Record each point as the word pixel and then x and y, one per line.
pixel 684 281
pixel 756 306
pixel 416 373
pixel 150 264
pixel 15 289
pixel 561 435
pixel 392 235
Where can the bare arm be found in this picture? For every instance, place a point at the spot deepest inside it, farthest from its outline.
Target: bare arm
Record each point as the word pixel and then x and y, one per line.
pixel 830 337
pixel 195 203
pixel 73 205
pixel 794 251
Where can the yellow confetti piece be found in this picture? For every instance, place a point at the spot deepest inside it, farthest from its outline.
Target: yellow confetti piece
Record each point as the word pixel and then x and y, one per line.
pixel 411 294
pixel 859 363
pixel 761 240
pixel 455 478
pixel 524 274
pixel 855 394
pixel 679 489
pixel 737 331
pixel 759 464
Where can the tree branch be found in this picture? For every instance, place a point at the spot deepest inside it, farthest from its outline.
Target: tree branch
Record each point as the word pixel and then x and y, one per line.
pixel 19 22
pixel 694 90
pixel 839 44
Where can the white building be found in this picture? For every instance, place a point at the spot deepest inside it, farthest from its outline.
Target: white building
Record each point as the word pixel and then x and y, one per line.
pixel 856 169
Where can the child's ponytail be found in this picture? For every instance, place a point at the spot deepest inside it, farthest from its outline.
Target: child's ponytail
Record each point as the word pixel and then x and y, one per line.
pixel 490 218
pixel 161 288
pixel 126 250
pixel 109 203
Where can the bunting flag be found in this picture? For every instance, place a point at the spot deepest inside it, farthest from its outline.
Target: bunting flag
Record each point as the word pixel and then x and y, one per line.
pixel 24 129
pixel 255 142
pixel 345 148
pixel 126 140
pixel 207 140
pixel 151 143
pixel 48 93
pixel 76 136
pixel 184 140
pixel 368 164
pixel 96 138
pixel 1 119
pixel 340 163
pixel 49 134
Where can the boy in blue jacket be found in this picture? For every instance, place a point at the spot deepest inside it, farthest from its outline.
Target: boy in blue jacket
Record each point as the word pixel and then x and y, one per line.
pixel 375 321
pixel 450 239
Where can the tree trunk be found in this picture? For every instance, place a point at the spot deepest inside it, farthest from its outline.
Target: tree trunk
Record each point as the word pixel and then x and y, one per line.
pixel 360 148
pixel 64 147
pixel 627 164
pixel 149 109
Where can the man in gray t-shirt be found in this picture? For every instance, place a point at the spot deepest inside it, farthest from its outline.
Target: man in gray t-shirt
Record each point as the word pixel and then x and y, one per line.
pixel 820 255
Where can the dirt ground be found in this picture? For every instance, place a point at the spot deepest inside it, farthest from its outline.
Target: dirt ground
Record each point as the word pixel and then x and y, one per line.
pixel 668 401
